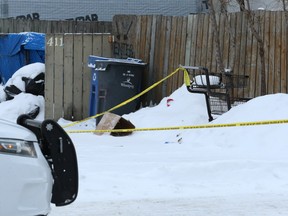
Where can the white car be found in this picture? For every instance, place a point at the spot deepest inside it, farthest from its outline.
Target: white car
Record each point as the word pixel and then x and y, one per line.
pixel 38 166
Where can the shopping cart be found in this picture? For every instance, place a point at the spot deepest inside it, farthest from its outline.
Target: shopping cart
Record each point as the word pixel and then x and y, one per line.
pixel 216 87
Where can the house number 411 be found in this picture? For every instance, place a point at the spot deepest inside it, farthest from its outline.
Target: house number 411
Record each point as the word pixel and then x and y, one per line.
pixel 57 41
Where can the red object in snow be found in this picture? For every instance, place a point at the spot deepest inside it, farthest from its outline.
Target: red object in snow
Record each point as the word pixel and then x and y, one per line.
pixel 169 100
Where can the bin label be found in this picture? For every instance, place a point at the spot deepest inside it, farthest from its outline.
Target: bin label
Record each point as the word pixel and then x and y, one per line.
pixel 94 77
pixel 127 83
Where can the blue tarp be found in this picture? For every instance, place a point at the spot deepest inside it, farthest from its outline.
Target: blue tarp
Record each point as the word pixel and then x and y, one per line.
pixel 18 50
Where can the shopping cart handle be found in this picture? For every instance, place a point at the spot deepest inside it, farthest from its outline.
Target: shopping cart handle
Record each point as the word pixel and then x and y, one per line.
pixel 193 67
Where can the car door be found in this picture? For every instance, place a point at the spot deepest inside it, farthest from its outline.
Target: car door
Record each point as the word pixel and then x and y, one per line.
pixel 59 151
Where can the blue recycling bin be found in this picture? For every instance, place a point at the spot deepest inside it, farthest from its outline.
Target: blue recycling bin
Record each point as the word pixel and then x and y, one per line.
pixel 113 81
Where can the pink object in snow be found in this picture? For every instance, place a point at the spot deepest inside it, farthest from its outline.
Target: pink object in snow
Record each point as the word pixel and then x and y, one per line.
pixel 169 100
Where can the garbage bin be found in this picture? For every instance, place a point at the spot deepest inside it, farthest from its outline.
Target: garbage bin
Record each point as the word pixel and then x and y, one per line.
pixel 114 81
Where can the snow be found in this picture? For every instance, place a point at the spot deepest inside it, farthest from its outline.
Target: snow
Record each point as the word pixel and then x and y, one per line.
pixel 215 171
pixel 29 71
pixel 22 103
pixel 201 80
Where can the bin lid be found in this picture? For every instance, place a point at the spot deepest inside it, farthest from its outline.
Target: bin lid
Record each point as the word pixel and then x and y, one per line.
pixel 101 63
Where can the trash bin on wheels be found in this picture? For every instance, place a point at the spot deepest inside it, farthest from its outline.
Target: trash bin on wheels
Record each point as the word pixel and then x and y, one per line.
pixel 113 81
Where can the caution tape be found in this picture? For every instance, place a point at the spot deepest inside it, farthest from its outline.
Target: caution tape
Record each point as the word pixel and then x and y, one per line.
pixel 186 81
pixel 239 124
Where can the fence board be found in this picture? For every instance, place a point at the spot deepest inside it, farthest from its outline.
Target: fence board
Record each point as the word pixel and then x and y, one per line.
pixel 161 69
pixel 253 68
pixel 68 76
pixel 59 76
pixel 242 62
pixel 182 50
pixel 232 44
pixel 225 40
pixel 199 39
pixel 49 78
pixel 151 74
pixel 177 49
pixel 143 29
pixel 78 77
pixel 271 53
pixel 188 40
pixel 243 45
pixel 106 45
pixel 167 51
pixel 138 33
pixel 87 50
pixel 203 49
pixel 172 54
pixel 210 47
pixel 267 42
pixel 221 29
pixel 277 53
pixel 238 43
pixel 158 62
pixel 248 60
pixel 142 38
pixel 97 45
pixel 194 40
pixel 284 54
pixel 147 41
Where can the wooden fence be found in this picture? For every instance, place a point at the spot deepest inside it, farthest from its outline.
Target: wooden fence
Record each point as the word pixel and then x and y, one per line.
pixel 47 26
pixel 241 50
pixel 163 42
pixel 67 79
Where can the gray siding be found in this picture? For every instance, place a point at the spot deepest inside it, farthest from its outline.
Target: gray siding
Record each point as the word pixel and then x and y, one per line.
pixel 105 9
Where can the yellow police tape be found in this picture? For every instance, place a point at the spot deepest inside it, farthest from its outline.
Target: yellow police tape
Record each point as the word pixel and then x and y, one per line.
pixel 239 124
pixel 186 81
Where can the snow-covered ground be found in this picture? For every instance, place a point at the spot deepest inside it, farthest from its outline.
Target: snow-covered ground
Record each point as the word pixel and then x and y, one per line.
pixel 236 171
